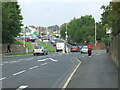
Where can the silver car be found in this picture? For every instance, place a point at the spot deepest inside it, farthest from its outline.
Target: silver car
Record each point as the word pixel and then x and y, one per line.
pixel 84 49
pixel 40 50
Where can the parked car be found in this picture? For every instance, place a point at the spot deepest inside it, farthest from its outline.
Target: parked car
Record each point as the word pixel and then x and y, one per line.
pixel 54 43
pixel 74 49
pixel 84 49
pixel 45 40
pixel 26 39
pixel 32 39
pixel 80 47
pixel 40 50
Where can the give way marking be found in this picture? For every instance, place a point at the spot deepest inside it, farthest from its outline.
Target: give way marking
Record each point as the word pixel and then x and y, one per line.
pixel 48 59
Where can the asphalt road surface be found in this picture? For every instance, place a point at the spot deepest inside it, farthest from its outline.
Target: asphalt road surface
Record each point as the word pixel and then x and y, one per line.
pixel 50 71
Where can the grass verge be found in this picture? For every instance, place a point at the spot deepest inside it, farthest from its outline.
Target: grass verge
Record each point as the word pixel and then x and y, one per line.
pixel 28 44
pixel 49 48
pixel 18 53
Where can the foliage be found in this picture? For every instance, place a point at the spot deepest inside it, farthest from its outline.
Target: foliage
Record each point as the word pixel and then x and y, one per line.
pixel 82 29
pixel 111 16
pixel 11 21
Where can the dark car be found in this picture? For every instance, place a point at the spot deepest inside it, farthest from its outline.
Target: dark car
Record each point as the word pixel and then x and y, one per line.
pixel 74 49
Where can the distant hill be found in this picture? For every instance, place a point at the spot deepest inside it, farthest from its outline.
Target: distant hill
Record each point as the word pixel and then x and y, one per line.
pixel 54 27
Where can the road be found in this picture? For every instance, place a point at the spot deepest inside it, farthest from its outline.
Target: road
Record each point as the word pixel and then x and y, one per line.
pixel 49 71
pixel 58 70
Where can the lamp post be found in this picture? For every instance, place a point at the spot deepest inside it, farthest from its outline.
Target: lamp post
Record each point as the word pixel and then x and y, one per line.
pixel 95 34
pixel 66 39
pixel 26 49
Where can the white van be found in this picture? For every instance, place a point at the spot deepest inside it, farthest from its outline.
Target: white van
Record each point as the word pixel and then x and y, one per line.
pixel 60 46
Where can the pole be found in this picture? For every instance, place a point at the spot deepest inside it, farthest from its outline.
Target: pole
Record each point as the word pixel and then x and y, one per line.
pixel 95 33
pixel 66 39
pixel 25 38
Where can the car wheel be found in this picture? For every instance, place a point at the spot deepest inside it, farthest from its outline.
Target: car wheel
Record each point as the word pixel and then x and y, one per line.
pixel 34 54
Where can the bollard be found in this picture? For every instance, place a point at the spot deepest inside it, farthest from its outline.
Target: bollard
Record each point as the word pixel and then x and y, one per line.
pixel 63 51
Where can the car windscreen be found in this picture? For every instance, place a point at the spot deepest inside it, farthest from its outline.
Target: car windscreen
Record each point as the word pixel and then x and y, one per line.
pixel 74 47
pixel 84 48
pixel 38 47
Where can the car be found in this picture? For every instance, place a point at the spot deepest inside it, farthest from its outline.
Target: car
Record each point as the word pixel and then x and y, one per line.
pixel 26 39
pixel 45 40
pixel 74 49
pixel 80 47
pixel 54 43
pixel 40 50
pixel 32 39
pixel 84 49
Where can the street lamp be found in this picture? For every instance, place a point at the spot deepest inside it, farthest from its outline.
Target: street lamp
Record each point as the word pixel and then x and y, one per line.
pixel 24 41
pixel 95 34
pixel 66 39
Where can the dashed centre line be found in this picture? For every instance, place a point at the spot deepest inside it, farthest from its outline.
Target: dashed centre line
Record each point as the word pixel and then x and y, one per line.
pixel 29 59
pixel 19 72
pixel 2 78
pixel 33 67
pixel 44 64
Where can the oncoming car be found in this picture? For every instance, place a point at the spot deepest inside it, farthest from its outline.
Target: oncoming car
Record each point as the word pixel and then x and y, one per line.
pixel 84 49
pixel 39 50
pixel 74 49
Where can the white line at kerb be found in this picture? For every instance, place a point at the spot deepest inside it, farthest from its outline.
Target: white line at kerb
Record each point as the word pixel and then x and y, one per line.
pixel 19 72
pixel 33 67
pixel 71 75
pixel 2 78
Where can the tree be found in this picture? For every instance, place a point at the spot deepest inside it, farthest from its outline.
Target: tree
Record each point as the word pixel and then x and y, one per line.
pixel 11 21
pixel 111 16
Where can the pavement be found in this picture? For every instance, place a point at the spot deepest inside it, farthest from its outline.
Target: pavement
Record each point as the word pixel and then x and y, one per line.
pixel 98 71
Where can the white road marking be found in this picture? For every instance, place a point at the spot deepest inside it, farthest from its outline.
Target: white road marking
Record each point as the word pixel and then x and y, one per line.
pixel 29 59
pixel 22 87
pixel 12 62
pixel 33 67
pixel 19 72
pixel 53 60
pixel 44 64
pixel 1 64
pixel 43 60
pixel 71 75
pixel 17 61
pixel 47 59
pixel 5 62
pixel 21 59
pixel 2 78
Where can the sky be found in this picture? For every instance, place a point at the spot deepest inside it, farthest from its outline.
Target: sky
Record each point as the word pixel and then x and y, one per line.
pixel 57 12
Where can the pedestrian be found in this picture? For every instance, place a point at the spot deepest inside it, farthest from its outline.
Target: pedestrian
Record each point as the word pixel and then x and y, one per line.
pixel 8 48
pixel 89 50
